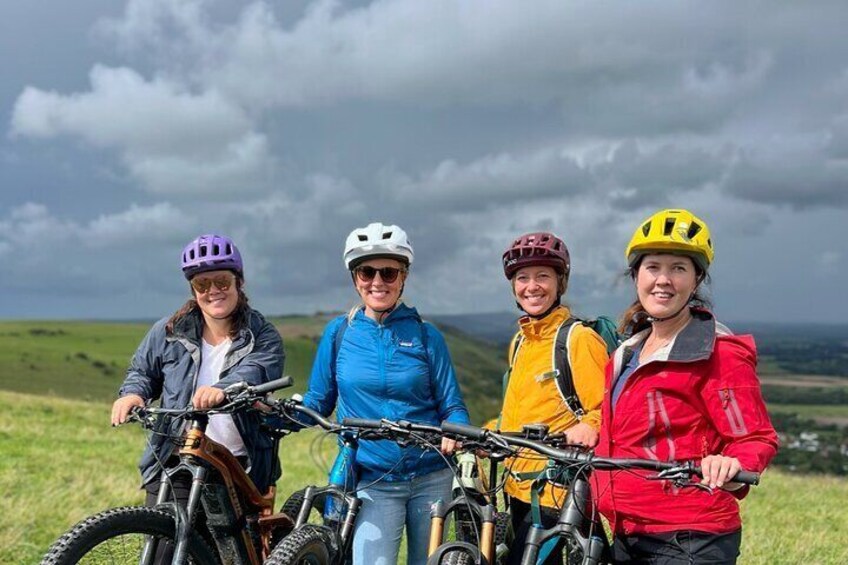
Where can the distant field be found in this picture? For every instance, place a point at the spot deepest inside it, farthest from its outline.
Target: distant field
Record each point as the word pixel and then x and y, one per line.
pixel 63 462
pixel 822 413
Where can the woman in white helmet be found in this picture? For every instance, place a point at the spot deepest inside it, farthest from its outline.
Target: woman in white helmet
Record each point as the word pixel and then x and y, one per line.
pixel 382 361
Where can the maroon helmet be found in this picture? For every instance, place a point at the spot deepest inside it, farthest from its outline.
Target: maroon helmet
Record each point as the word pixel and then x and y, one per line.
pixel 537 249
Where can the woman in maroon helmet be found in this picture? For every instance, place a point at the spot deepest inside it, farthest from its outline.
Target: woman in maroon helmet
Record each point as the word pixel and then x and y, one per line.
pixel 538 266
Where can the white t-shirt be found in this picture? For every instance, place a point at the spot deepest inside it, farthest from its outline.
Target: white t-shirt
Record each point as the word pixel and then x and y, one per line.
pixel 221 428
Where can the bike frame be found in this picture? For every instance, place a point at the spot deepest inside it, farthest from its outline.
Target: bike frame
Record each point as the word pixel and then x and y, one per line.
pixel 578 522
pixel 242 504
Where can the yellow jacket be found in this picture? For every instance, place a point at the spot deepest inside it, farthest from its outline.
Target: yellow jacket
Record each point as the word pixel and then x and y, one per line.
pixel 532 400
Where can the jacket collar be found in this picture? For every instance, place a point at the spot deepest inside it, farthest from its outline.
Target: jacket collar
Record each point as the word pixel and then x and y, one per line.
pixel 695 342
pixel 401 311
pixel 543 327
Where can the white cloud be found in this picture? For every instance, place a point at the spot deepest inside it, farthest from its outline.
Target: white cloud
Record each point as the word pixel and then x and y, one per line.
pixel 171 140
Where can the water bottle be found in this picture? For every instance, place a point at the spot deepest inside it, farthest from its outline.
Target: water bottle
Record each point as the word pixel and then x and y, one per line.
pixel 342 475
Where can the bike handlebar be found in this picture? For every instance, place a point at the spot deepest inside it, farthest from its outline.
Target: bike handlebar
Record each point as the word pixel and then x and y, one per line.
pixel 571 456
pixel 271 386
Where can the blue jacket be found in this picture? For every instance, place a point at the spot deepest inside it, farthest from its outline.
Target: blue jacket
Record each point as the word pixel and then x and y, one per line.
pixel 166 366
pixel 386 371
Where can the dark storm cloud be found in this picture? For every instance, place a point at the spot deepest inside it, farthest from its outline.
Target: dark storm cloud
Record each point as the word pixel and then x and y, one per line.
pixel 465 122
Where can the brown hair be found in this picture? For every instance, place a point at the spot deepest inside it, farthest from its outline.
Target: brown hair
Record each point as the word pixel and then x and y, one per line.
pixel 636 319
pixel 239 317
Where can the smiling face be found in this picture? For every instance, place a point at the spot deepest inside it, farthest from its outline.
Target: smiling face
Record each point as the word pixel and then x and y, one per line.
pixel 535 289
pixel 377 294
pixel 216 302
pixel 665 283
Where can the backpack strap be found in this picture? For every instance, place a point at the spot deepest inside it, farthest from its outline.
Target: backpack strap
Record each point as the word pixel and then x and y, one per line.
pixel 562 366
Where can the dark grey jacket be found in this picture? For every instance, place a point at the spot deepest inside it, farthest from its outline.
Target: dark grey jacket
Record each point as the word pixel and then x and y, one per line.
pixel 166 366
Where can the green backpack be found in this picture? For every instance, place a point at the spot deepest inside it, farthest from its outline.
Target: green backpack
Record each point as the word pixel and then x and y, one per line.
pixel 602 325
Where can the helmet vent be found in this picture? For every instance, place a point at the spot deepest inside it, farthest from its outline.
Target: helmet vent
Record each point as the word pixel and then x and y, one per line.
pixel 363 237
pixel 387 235
pixel 203 251
pixel 669 225
pixel 646 229
pixel 694 228
pixel 216 250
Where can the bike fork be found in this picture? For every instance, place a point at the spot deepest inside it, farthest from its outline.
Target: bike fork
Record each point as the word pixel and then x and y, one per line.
pixel 148 552
pixel 185 516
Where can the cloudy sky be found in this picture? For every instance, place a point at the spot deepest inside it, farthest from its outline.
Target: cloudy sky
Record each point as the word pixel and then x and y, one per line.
pixel 129 128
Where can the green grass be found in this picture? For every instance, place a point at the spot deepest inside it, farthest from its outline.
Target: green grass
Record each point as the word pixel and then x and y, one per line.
pixel 63 462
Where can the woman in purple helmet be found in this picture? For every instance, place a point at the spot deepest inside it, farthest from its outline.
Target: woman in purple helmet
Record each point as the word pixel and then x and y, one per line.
pixel 213 341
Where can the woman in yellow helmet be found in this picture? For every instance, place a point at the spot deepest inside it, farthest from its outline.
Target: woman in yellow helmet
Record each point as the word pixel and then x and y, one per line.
pixel 538 266
pixel 683 387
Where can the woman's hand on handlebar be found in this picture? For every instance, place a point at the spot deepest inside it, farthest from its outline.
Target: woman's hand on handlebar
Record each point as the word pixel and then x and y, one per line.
pixel 719 470
pixel 121 408
pixel 582 434
pixel 207 397
pixel 448 445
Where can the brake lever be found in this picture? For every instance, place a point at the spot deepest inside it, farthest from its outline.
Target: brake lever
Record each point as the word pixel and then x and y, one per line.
pixel 681 477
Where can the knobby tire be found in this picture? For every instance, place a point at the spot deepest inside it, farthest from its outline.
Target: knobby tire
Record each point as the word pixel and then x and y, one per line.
pixel 117 536
pixel 307 545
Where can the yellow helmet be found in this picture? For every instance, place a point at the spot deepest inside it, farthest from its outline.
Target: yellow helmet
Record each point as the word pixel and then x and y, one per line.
pixel 672 231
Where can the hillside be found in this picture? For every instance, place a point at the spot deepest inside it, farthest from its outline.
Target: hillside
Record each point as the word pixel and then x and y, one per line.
pixel 62 462
pixel 88 360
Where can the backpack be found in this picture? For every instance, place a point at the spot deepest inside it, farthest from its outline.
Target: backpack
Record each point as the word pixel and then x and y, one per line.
pixel 602 325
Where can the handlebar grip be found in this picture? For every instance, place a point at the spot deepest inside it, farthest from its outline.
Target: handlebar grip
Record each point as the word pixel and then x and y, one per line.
pixel 464 430
pixel 747 477
pixel 271 386
pixel 362 423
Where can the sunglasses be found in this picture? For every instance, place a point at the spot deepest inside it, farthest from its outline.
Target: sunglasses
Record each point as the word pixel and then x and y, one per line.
pixel 222 282
pixel 367 273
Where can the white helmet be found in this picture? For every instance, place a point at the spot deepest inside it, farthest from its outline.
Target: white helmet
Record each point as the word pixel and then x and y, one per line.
pixel 377 240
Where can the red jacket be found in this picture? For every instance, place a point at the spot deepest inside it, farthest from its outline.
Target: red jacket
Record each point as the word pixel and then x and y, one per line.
pixel 700 396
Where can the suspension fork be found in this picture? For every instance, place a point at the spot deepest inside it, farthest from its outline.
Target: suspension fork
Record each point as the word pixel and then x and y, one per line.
pixel 186 516
pixel 148 552
pixel 437 526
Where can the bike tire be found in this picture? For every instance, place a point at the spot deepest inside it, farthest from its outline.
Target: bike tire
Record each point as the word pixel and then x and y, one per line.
pixel 291 507
pixel 457 553
pixel 307 545
pixel 457 557
pixel 119 534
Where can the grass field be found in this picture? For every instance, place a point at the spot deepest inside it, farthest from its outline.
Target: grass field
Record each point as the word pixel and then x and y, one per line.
pixel 63 462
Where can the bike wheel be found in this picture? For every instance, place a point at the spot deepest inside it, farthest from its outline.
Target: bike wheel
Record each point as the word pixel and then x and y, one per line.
pixel 118 536
pixel 308 545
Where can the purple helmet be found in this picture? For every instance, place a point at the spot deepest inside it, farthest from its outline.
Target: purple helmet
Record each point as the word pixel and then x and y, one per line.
pixel 211 253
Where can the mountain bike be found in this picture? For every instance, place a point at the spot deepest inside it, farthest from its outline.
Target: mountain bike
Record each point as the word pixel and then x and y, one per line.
pixel 329 543
pixel 579 524
pixel 242 525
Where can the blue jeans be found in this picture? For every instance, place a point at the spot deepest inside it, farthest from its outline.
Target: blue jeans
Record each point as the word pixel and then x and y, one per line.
pixel 387 508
